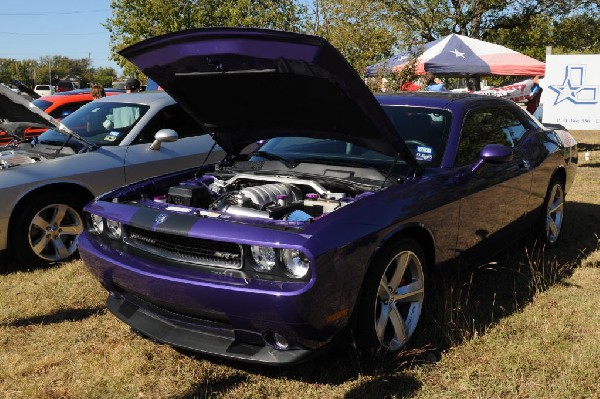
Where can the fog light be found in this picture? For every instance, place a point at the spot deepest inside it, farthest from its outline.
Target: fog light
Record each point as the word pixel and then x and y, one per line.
pixel 276 340
pixel 96 224
pixel 114 229
pixel 264 258
pixel 295 262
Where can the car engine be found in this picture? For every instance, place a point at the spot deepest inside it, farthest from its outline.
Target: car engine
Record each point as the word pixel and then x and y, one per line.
pixel 11 158
pixel 259 196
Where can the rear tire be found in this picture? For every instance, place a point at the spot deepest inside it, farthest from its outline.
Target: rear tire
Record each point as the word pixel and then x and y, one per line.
pixel 393 298
pixel 553 212
pixel 47 230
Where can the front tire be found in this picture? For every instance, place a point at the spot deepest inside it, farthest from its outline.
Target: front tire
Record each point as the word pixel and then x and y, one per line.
pixel 393 298
pixel 47 230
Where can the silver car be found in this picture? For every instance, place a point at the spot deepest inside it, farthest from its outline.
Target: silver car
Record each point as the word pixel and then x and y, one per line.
pixel 103 145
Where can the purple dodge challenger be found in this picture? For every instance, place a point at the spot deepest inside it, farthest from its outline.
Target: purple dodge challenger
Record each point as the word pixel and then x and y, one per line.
pixel 337 221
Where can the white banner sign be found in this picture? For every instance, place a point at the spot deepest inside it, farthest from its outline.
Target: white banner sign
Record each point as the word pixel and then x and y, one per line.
pixel 571 95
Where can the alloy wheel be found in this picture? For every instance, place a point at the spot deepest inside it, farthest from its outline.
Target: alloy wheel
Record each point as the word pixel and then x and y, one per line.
pixel 399 300
pixel 53 232
pixel 555 213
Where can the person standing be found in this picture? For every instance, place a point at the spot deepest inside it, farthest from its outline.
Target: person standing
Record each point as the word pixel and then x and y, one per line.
pixel 533 102
pixel 97 91
pixel 132 85
pixel 437 85
pixel 125 115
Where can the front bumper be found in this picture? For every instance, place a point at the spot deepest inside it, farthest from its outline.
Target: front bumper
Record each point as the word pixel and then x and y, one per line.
pixel 207 339
pixel 217 314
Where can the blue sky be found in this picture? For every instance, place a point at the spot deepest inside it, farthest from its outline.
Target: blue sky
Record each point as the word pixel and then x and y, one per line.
pixel 35 28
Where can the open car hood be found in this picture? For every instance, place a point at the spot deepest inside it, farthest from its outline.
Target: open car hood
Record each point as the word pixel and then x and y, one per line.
pixel 16 112
pixel 245 85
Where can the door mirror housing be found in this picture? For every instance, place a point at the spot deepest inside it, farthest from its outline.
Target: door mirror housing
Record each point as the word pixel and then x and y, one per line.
pixel 496 153
pixel 163 136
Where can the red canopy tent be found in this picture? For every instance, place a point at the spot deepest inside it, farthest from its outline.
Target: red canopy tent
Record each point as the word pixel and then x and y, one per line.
pixel 457 55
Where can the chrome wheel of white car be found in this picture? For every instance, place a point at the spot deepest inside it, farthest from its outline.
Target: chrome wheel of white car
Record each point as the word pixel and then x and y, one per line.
pixel 47 230
pixel 554 211
pixel 53 232
pixel 393 298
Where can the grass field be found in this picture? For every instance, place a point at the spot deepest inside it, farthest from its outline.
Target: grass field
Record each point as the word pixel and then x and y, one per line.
pixel 524 326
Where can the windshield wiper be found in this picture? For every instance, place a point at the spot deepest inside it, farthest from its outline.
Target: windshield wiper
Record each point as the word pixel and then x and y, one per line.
pixel 274 157
pixel 339 162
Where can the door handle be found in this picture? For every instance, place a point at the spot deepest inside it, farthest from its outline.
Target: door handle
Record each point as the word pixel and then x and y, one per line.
pixel 525 164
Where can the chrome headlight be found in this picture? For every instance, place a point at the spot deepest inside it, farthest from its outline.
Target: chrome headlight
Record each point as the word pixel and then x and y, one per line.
pixel 114 228
pixel 296 264
pixel 96 224
pixel 264 258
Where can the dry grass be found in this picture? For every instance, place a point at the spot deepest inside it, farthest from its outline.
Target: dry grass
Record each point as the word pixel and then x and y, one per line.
pixel 525 325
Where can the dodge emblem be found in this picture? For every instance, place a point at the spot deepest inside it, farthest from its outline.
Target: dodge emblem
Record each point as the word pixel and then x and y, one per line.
pixel 160 218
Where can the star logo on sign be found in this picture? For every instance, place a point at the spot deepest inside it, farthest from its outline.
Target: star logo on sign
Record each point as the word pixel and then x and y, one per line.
pixel 458 53
pixel 573 88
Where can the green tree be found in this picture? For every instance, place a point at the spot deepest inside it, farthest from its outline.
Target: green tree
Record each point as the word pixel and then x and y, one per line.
pixel 573 34
pixel 104 76
pixel 5 71
pixel 31 72
pixel 431 19
pixel 361 30
pixel 135 20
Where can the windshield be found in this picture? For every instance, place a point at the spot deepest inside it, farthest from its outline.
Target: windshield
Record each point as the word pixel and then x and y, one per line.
pixel 101 123
pixel 424 130
pixel 42 104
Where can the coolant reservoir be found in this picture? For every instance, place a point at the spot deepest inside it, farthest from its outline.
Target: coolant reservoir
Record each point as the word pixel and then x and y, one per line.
pixel 316 206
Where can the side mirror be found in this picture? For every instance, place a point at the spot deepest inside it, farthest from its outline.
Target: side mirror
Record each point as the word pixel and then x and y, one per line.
pixel 163 136
pixel 493 153
pixel 496 153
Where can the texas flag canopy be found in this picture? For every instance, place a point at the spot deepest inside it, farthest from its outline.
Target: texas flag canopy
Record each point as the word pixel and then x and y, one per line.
pixel 459 55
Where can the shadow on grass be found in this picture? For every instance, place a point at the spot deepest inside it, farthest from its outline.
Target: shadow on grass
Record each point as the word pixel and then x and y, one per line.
pixel 209 390
pixel 9 265
pixel 583 147
pixel 57 317
pixel 399 386
pixel 340 364
pixel 590 165
pixel 468 300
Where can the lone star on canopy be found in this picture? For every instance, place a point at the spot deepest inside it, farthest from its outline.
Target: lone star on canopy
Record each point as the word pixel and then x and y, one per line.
pixel 458 53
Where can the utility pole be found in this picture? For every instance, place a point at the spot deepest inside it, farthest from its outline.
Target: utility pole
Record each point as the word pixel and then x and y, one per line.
pixel 90 69
pixel 49 72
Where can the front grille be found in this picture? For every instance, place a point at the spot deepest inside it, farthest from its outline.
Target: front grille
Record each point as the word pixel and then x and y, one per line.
pixel 197 251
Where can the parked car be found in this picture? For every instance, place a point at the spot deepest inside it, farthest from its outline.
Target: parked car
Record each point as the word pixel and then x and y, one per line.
pixel 65 85
pixel 11 87
pixel 44 185
pixel 44 90
pixel 340 218
pixel 58 105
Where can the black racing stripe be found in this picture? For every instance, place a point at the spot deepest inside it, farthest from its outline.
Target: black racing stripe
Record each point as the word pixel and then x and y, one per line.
pixel 173 223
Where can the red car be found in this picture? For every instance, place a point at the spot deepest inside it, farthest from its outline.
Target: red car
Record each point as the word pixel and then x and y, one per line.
pixel 58 106
pixel 65 85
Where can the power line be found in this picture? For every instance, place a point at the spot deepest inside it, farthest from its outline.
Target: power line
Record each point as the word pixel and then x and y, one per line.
pixel 52 34
pixel 40 13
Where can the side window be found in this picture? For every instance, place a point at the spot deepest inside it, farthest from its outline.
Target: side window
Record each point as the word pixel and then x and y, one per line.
pixel 67 108
pixel 171 117
pixel 512 126
pixel 487 126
